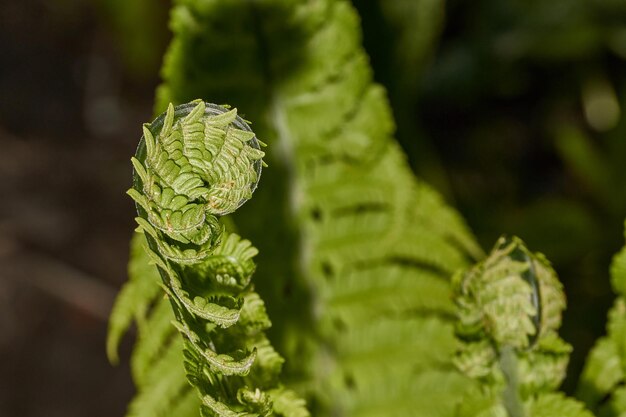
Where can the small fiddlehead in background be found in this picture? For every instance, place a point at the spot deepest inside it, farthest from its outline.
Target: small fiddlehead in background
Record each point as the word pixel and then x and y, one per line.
pixel 509 310
pixel 195 163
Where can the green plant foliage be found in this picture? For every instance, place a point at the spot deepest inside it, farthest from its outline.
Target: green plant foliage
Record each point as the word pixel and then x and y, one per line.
pixel 135 297
pixel 157 359
pixel 366 227
pixel 196 163
pixel 356 253
pixel 601 384
pixel 509 310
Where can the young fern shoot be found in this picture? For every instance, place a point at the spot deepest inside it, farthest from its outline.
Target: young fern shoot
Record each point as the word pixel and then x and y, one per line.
pixel 509 311
pixel 196 163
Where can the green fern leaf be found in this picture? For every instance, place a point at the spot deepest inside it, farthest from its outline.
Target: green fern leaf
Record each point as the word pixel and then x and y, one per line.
pixel 287 403
pixel 164 386
pixel 135 297
pixel 361 215
pixel 153 339
pixel 556 404
pixel 194 164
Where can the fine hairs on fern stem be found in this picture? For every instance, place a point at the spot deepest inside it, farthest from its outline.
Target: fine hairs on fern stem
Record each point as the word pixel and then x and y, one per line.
pixel 196 163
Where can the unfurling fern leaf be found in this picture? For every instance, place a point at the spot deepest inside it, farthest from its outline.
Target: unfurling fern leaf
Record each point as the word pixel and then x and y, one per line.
pixel 195 163
pixel 509 310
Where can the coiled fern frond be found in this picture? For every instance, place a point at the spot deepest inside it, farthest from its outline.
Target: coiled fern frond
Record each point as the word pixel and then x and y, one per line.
pixel 195 163
pixel 191 151
pixel 509 310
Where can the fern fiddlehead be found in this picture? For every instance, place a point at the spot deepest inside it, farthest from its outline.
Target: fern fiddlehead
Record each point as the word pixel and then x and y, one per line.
pixel 195 145
pixel 196 163
pixel 509 310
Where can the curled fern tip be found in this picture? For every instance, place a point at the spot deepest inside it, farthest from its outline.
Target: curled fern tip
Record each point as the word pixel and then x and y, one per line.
pixel 194 163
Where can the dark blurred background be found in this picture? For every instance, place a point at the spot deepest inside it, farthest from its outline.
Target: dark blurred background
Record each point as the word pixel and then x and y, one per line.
pixel 513 109
pixel 77 79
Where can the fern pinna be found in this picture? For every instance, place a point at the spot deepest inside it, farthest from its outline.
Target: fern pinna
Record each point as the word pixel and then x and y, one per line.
pixel 195 163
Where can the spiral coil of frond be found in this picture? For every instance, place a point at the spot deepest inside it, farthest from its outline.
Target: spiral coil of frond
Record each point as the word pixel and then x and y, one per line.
pixel 509 310
pixel 198 162
pixel 195 163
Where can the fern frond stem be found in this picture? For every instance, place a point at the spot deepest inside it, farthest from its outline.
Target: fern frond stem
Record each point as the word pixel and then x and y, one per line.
pixel 510 395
